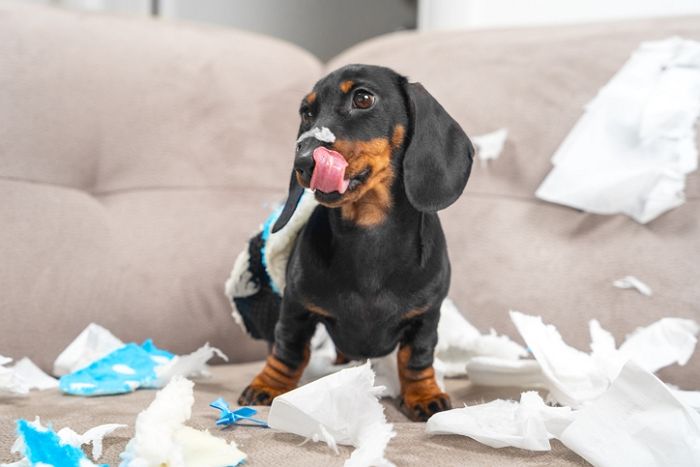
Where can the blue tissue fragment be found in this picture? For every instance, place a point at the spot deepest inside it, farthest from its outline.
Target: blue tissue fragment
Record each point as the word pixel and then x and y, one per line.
pixel 124 370
pixel 229 417
pixel 45 446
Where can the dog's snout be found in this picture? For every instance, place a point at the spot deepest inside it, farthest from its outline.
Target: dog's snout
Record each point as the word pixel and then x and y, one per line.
pixel 304 165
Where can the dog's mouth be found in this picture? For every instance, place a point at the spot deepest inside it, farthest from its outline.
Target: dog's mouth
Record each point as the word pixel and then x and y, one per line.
pixel 328 180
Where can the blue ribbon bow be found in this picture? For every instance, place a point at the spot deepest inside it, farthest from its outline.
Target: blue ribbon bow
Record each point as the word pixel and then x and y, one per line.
pixel 229 417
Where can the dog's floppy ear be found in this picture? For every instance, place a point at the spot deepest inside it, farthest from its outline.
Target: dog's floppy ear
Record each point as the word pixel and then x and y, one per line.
pixel 438 159
pixel 295 192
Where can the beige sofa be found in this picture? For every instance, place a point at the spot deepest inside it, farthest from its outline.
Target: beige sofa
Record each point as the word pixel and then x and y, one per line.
pixel 130 153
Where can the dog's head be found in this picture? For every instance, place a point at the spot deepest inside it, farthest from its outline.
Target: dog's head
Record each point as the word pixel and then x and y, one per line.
pixel 362 128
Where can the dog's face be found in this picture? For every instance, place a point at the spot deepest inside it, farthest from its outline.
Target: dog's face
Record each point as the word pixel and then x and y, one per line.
pixel 362 127
pixel 364 109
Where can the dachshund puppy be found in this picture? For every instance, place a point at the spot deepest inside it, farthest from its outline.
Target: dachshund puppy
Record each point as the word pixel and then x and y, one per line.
pixel 382 157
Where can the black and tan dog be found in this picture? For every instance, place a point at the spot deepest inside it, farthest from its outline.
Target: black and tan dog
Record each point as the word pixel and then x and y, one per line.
pixel 371 263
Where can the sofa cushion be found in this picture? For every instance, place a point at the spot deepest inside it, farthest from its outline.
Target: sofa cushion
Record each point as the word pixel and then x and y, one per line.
pixel 508 249
pixel 128 154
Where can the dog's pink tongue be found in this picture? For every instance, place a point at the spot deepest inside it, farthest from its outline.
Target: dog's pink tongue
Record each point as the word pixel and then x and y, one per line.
pixel 329 171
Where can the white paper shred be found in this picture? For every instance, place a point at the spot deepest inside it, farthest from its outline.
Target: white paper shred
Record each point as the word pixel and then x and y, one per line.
pixel 493 371
pixel 92 344
pixel 93 436
pixel 341 408
pixel 667 341
pixel 572 375
pixel 191 365
pixel 638 421
pixel 631 282
pixel 161 437
pixel 490 145
pixel 322 134
pixel 500 423
pixel 635 144
pixel 22 377
pixel 459 341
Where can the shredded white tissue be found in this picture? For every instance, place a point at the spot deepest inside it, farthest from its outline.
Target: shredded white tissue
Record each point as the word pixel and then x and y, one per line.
pixel 638 421
pixel 665 342
pixel 161 437
pixel 631 282
pixel 459 341
pixel 192 365
pixel 490 145
pixel 322 134
pixel 341 408
pixel 92 344
pixel 23 376
pixel 526 425
pixel 572 376
pixel 635 144
pixel 92 436
pixel 493 371
pixel 689 398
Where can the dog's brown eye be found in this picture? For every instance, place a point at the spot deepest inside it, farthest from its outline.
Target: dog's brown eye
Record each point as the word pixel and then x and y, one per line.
pixel 362 99
pixel 307 115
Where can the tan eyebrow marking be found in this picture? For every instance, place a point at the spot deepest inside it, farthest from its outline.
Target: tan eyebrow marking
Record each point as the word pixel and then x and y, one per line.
pixel 346 85
pixel 310 97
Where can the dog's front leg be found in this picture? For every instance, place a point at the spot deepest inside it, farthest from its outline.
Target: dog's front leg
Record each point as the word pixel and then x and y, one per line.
pixel 420 397
pixel 290 354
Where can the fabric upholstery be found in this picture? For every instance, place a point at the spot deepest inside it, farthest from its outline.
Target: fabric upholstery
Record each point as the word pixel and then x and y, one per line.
pixel 137 156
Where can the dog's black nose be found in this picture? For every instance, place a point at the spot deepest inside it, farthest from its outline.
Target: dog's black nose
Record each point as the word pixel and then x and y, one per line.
pixel 304 165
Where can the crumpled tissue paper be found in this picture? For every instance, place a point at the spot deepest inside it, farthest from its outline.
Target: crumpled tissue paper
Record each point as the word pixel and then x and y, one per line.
pixel 635 144
pixel 490 145
pixel 22 377
pixel 39 444
pixel 93 343
pixel 638 421
pixel 631 282
pixel 500 423
pixel 574 377
pixel 162 438
pixel 127 368
pixel 341 408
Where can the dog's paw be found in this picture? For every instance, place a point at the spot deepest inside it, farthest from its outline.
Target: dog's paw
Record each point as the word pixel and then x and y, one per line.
pixel 421 409
pixel 258 395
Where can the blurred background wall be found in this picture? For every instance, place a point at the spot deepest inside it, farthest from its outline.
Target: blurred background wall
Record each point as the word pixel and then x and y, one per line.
pixel 327 27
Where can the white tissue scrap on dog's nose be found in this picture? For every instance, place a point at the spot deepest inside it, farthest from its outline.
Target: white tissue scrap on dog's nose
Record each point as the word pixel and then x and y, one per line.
pixel 322 134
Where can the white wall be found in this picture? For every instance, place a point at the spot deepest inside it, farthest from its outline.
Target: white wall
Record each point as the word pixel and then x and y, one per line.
pixel 476 14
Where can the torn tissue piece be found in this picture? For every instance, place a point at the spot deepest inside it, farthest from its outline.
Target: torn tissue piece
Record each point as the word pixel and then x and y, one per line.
pixel 492 371
pixel 41 446
pixel 192 365
pixel 631 282
pixel 637 421
pixel 689 398
pixel 135 366
pixel 490 145
pixel 527 425
pixel 642 125
pixel 162 438
pixel 92 344
pixel 22 377
pixel 665 342
pixel 574 377
pixel 341 408
pixel 459 341
pixel 92 436
pixel 322 134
